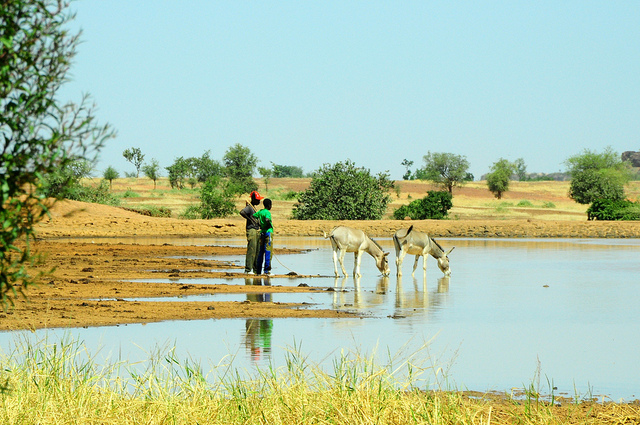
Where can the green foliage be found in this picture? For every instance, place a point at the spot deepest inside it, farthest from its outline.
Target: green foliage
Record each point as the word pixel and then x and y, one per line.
pixel 435 205
pixel 39 135
pixel 266 174
pixel 214 200
pixel 130 194
pixel 548 204
pixel 180 171
pixel 191 213
pixel 525 204
pixel 596 176
pixel 280 171
pixel 110 174
pixel 152 171
pixel 62 182
pixel 343 191
pixel 499 177
pixel 134 156
pixel 446 169
pixel 614 209
pixel 205 167
pixel 407 165
pixel 240 164
pixel 520 169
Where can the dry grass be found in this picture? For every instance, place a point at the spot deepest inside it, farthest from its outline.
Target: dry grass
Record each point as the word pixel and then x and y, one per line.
pixel 61 383
pixel 540 200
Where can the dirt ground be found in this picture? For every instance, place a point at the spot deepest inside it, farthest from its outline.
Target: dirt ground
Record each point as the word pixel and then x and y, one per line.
pixel 94 279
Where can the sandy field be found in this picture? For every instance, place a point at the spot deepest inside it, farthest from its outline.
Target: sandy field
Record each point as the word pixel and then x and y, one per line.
pixel 92 278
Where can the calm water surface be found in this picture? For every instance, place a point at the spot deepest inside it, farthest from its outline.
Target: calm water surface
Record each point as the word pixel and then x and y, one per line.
pixel 566 311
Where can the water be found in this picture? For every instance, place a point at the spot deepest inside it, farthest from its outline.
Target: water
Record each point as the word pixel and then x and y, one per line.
pixel 513 311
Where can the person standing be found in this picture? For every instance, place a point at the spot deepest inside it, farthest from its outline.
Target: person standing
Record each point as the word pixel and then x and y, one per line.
pixel 253 233
pixel 266 237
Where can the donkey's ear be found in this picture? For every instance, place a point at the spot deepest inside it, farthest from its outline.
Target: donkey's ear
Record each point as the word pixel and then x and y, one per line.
pixel 386 253
pixel 449 252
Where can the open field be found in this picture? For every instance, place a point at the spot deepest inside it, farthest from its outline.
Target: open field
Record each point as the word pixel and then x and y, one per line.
pixel 541 200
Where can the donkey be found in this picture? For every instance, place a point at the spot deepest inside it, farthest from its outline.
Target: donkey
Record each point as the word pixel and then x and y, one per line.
pixel 421 245
pixel 345 239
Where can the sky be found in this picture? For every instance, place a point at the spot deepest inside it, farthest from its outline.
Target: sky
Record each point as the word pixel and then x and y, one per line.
pixel 309 83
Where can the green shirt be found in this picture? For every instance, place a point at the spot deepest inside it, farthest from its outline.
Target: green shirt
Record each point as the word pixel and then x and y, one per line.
pixel 264 218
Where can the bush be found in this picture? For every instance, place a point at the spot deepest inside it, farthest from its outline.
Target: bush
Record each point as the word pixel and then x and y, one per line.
pixel 344 192
pixel 613 209
pixel 435 205
pixel 524 203
pixel 191 213
pixel 214 201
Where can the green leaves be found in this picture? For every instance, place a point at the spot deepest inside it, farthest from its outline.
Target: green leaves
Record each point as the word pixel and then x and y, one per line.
pixel 344 192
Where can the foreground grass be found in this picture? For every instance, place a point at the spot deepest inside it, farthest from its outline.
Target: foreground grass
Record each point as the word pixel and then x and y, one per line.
pixel 60 383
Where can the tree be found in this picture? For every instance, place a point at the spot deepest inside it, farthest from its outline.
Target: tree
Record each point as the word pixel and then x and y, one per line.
pixel 207 167
pixel 266 175
pixel 344 192
pixel 520 168
pixel 499 177
pixel 134 156
pixel 597 176
pixel 280 171
pixel 407 164
pixel 110 174
pixel 240 164
pixel 38 134
pixel 446 169
pixel 215 199
pixel 152 171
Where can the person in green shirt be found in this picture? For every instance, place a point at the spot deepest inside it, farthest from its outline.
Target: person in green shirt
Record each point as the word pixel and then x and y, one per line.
pixel 266 237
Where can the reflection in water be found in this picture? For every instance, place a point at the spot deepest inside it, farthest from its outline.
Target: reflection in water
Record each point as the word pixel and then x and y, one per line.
pixel 258 331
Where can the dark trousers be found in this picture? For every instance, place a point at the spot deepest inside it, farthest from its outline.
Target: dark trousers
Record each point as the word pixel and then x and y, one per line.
pixel 264 255
pixel 251 260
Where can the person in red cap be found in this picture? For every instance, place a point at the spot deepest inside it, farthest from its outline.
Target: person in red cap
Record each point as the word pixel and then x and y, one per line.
pixel 253 233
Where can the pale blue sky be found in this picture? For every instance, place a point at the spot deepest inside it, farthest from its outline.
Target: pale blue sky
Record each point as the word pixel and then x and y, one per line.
pixel 307 83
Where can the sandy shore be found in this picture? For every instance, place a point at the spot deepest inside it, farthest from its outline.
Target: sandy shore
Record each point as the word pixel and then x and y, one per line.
pixel 93 279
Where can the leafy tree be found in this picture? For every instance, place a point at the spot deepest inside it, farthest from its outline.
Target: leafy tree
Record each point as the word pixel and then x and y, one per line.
pixel 152 171
pixel 499 177
pixel 597 176
pixel 446 169
pixel 435 205
pixel 344 192
pixel 214 200
pixel 134 156
pixel 520 168
pixel 266 175
pixel 407 164
pixel 280 171
pixel 181 170
pixel 110 174
pixel 207 167
pixel 38 134
pixel 240 164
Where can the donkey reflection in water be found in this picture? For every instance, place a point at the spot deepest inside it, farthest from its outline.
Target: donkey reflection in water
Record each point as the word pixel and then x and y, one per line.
pixel 345 239
pixel 419 244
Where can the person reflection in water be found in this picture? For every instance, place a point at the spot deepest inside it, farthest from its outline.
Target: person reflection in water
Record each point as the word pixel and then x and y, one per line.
pixel 258 331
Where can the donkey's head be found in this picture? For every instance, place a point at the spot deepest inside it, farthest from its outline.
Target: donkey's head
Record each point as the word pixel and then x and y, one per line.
pixel 383 264
pixel 443 263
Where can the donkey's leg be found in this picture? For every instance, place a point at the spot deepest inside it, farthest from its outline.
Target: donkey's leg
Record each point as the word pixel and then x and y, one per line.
pixel 356 268
pixel 335 261
pixel 399 259
pixel 341 258
pixel 415 265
